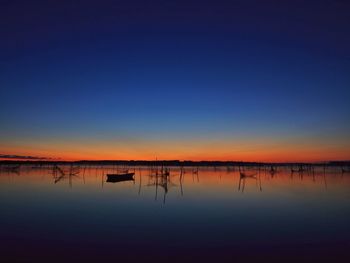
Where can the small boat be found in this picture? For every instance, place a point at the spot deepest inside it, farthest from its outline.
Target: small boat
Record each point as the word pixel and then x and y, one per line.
pixel 115 178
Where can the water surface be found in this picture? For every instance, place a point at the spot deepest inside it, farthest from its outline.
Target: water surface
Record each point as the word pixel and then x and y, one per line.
pixel 214 214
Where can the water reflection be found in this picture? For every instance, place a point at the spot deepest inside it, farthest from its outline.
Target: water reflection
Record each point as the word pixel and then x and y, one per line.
pixel 199 212
pixel 181 179
pixel 244 176
pixel 178 177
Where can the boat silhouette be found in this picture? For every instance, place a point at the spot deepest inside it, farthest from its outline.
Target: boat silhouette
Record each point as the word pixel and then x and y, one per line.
pixel 120 177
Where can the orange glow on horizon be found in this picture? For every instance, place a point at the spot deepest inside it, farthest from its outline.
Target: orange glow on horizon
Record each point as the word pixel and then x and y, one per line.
pixel 196 150
pixel 222 149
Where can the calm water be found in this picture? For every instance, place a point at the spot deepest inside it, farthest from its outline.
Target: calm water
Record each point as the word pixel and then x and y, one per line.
pixel 212 215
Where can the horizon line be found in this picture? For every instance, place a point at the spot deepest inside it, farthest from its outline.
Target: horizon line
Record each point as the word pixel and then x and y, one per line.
pixel 167 161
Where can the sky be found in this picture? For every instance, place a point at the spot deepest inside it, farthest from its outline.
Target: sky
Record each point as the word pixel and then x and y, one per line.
pixel 189 80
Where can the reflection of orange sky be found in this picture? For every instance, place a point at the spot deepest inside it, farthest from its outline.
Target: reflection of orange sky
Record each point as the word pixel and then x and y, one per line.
pixel 212 182
pixel 243 150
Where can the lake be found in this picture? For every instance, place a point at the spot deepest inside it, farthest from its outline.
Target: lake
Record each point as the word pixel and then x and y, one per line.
pixel 215 214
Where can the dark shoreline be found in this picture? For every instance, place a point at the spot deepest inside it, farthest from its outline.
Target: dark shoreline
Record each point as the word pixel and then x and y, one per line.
pixel 175 163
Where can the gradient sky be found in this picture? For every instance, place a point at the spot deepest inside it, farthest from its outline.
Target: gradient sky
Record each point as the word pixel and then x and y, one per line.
pixel 235 80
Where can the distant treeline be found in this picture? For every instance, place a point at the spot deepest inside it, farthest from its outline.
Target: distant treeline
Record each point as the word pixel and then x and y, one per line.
pixel 172 163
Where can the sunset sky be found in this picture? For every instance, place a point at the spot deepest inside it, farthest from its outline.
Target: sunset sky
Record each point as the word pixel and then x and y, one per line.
pixel 238 80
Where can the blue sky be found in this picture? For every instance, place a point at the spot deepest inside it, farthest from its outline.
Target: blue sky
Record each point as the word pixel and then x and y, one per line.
pixel 165 69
